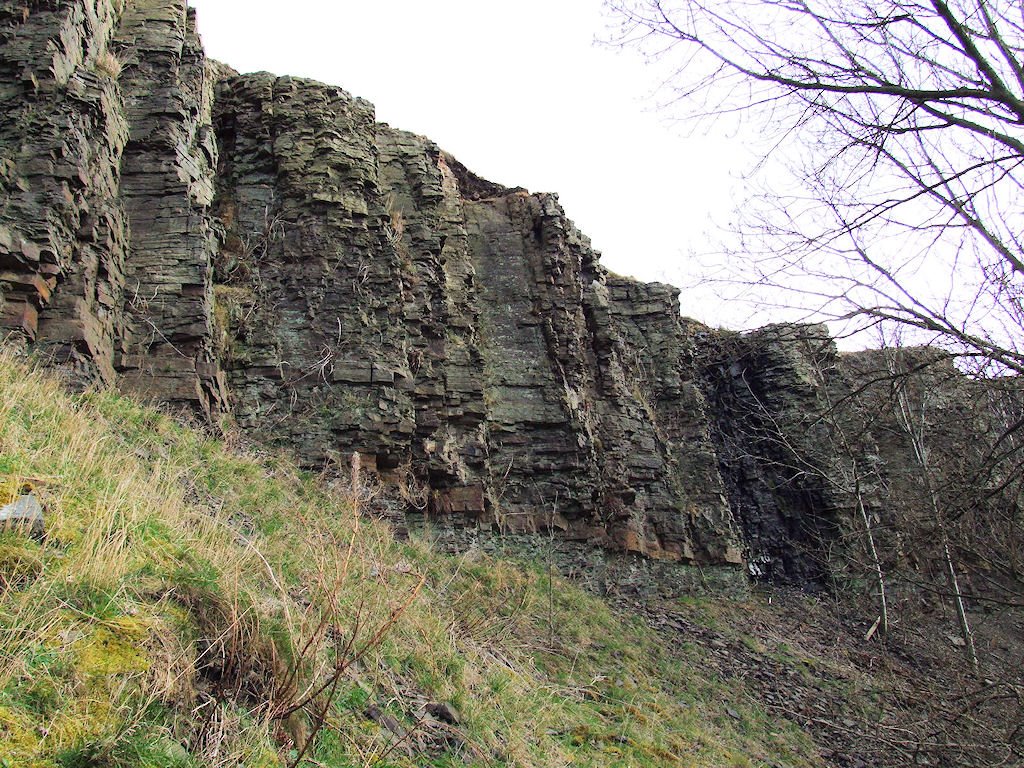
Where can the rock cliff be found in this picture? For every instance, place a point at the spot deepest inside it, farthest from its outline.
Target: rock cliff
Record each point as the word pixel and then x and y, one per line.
pixel 377 297
pixel 259 248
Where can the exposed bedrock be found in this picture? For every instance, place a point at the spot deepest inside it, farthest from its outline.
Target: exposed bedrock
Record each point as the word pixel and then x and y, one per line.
pixel 63 224
pixel 777 441
pixel 377 297
pixel 259 248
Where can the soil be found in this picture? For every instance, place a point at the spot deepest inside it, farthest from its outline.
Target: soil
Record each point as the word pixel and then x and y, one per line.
pixel 909 698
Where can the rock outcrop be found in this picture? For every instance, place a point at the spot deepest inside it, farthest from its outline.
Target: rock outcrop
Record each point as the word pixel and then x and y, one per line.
pixel 259 248
pixel 775 434
pixel 377 297
pixel 63 224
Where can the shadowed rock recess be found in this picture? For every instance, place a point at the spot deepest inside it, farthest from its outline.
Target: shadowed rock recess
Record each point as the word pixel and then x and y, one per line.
pixel 259 247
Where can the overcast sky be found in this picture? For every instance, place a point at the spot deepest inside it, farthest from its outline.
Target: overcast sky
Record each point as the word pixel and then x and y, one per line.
pixel 521 94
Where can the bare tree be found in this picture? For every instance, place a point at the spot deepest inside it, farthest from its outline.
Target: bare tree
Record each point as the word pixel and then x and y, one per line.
pixel 912 420
pixel 903 124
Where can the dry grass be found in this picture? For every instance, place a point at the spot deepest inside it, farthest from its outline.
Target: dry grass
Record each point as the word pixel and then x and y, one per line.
pixel 141 553
pixel 192 606
pixel 107 65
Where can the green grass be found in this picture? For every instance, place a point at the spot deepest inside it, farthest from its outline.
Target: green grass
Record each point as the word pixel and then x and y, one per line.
pixel 189 596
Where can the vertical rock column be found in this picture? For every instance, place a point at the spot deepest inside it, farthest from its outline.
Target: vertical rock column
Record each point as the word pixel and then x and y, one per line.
pixel 63 232
pixel 774 446
pixel 440 312
pixel 688 511
pixel 593 429
pixel 633 509
pixel 167 186
pixel 541 473
pixel 310 282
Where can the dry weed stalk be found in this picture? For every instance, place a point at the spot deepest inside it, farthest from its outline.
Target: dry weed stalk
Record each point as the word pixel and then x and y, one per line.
pixel 330 636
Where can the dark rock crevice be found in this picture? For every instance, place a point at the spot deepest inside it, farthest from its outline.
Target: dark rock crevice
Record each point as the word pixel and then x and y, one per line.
pixel 772 413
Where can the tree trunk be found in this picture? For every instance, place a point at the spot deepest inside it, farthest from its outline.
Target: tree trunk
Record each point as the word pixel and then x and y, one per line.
pixel 883 627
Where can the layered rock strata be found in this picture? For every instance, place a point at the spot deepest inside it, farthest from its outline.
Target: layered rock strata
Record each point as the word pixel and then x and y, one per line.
pixel 63 224
pixel 260 249
pixel 777 442
pixel 167 188
pixel 379 298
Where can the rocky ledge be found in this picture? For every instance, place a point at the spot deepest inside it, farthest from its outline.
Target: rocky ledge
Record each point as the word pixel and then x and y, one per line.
pixel 259 248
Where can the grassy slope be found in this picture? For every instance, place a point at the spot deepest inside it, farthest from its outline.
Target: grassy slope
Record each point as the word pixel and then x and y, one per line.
pixel 189 600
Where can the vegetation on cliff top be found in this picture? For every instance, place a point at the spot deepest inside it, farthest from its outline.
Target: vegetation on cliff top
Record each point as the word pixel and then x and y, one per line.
pixel 195 605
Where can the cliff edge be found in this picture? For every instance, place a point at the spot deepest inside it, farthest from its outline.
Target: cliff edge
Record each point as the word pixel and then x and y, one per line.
pixel 259 248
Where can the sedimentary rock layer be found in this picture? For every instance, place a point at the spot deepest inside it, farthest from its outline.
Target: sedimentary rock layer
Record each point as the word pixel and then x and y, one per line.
pixel 379 298
pixel 167 188
pixel 260 249
pixel 63 225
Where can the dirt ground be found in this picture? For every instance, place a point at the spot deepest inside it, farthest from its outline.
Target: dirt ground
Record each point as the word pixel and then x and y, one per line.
pixel 907 699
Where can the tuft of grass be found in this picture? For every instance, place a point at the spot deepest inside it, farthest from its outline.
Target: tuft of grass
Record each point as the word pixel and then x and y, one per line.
pixel 192 605
pixel 107 65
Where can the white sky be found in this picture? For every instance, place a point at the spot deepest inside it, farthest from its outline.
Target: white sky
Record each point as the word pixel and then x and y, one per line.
pixel 520 94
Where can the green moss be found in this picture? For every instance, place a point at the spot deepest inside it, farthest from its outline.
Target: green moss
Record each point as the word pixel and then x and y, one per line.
pixel 115 647
pixel 21 560
pixel 19 741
